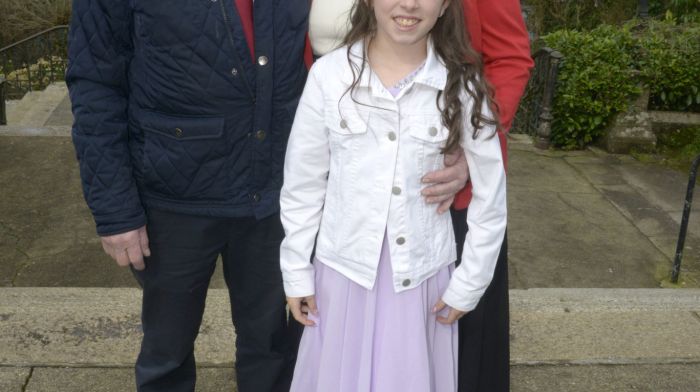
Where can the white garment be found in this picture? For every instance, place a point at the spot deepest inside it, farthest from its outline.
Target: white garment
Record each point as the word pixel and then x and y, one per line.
pixel 329 21
pixel 353 170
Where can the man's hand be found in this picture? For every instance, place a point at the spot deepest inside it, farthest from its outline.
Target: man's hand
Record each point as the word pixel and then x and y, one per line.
pixel 447 182
pixel 300 308
pixel 128 248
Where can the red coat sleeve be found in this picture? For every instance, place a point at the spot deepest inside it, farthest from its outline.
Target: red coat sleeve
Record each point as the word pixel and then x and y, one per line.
pixel 505 47
pixel 498 32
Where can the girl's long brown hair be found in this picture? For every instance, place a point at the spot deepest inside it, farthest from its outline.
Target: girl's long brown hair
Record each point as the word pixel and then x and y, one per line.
pixel 464 67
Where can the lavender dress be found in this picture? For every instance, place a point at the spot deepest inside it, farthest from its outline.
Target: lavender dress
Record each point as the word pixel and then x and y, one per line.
pixel 377 340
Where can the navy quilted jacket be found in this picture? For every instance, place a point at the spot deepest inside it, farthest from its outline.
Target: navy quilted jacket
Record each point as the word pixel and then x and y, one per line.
pixel 172 113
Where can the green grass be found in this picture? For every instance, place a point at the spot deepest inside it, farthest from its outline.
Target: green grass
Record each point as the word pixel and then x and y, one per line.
pixel 675 149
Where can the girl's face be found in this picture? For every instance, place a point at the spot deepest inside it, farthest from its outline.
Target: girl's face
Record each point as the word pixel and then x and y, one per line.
pixel 406 22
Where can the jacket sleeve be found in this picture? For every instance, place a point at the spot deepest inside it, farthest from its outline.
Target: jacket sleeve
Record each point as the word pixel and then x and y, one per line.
pixel 303 193
pixel 506 53
pixel 486 218
pixel 99 53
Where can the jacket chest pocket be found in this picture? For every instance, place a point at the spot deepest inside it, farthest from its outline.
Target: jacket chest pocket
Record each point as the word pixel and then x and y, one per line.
pixel 428 137
pixel 346 130
pixel 174 23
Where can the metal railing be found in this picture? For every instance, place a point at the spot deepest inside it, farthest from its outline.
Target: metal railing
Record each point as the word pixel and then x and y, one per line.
pixel 684 222
pixel 3 111
pixel 34 62
pixel 534 116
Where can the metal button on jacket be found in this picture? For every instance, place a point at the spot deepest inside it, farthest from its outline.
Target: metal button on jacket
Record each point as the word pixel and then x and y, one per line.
pixel 260 135
pixel 400 240
pixel 178 132
pixel 396 190
pixel 432 131
pixel 262 60
pixel 234 72
pixel 256 197
pixel 343 124
pixel 392 136
pixel 406 282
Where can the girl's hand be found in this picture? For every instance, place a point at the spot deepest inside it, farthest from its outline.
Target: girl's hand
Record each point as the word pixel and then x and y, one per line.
pixel 300 308
pixel 453 316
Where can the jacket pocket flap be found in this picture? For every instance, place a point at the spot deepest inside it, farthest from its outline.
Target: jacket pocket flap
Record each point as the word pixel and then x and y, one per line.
pixel 347 123
pixel 427 128
pixel 182 127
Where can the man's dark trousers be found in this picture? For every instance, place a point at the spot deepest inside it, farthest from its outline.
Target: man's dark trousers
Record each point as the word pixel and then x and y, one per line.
pixel 484 351
pixel 184 250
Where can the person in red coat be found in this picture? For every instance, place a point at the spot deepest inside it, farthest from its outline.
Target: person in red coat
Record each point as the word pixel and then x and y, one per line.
pixel 498 32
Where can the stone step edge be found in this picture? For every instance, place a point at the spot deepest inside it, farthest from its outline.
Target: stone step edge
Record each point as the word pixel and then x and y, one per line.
pixel 25 130
pixel 99 327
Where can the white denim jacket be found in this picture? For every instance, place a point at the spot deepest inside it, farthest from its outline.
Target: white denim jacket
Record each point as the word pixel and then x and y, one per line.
pixel 353 169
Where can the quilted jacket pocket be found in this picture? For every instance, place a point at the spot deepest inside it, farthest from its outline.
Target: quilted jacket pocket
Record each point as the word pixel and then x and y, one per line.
pixel 184 157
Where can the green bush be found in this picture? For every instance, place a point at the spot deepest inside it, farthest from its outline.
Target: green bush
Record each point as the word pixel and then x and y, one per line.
pixel 603 70
pixel 596 81
pixel 681 10
pixel 669 61
pixel 546 16
pixel 551 15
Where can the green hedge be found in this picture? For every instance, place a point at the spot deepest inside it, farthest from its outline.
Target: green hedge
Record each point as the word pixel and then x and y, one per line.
pixel 546 16
pixel 669 61
pixel 604 68
pixel 595 82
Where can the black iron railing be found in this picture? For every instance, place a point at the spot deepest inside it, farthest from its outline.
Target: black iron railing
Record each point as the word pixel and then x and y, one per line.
pixel 684 222
pixel 3 114
pixel 534 116
pixel 34 62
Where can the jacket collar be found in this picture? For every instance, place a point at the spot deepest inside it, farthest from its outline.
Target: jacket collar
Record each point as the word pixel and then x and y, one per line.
pixel 433 73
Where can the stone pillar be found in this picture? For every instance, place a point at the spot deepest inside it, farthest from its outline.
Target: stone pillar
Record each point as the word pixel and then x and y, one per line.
pixel 632 129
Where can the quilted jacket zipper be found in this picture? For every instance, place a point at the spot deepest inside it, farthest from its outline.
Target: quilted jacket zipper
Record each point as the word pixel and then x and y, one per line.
pixel 235 49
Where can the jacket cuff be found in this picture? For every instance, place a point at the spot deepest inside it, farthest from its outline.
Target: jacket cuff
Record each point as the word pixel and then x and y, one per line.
pixel 461 300
pixel 301 286
pixel 121 222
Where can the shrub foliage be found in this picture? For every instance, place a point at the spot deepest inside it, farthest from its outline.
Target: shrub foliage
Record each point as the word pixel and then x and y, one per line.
pixel 605 68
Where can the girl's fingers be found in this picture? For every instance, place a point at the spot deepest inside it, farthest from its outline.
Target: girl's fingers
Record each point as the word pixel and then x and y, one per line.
pixel 311 303
pixel 453 316
pixel 439 306
pixel 295 308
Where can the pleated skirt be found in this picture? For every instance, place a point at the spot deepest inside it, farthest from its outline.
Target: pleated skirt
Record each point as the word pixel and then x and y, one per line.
pixel 377 340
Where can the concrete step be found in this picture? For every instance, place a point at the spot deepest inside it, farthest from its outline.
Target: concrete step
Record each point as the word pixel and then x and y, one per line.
pixel 28 130
pixel 95 327
pixel 546 378
pixel 36 107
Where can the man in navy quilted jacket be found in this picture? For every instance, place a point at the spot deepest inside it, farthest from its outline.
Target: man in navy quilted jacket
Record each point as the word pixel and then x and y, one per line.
pixel 181 125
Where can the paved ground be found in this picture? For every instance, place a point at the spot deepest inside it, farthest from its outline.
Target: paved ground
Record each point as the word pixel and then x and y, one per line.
pixel 578 219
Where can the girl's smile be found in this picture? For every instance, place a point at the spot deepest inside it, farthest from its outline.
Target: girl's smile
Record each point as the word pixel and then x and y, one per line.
pixel 406 23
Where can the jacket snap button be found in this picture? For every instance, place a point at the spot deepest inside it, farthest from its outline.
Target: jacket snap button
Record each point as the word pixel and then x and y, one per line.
pixel 343 124
pixel 178 132
pixel 392 136
pixel 262 60
pixel 260 135
pixel 396 190
pixel 433 131
pixel 406 282
pixel 234 72
pixel 400 240
pixel 256 197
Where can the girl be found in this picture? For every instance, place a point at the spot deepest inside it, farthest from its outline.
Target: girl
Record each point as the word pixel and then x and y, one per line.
pixel 382 296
